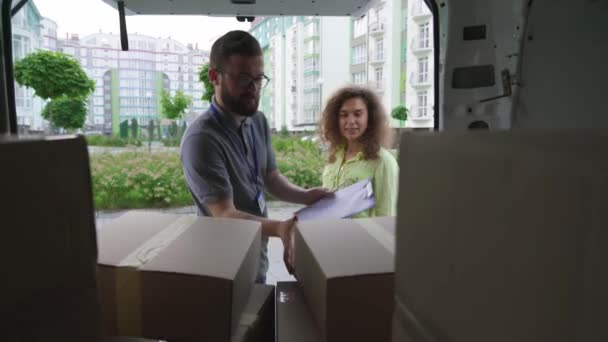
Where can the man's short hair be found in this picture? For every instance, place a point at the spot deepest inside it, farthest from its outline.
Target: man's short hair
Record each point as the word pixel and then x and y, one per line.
pixel 233 43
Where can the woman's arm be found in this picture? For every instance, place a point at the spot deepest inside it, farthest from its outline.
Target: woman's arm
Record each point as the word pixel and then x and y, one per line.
pixel 386 187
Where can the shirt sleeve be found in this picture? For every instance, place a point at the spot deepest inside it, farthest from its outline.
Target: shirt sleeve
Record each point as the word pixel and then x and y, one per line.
pixel 205 171
pixel 386 187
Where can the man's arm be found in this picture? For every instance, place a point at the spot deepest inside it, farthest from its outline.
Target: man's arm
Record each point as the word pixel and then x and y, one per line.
pixel 280 229
pixel 225 208
pixel 280 187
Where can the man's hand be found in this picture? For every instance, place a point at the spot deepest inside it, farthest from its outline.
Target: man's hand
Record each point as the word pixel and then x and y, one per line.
pixel 314 194
pixel 285 232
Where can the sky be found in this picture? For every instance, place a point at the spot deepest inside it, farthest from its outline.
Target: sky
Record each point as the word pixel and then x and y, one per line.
pixel 85 17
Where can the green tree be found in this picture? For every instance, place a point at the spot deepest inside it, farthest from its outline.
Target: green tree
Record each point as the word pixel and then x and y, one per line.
pixel 68 112
pixel 173 108
pixel 134 128
pixel 203 76
pixel 150 134
pixel 173 129
pixel 53 75
pixel 400 113
pixel 124 129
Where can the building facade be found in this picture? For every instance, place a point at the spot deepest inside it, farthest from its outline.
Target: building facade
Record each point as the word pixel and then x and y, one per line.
pixel 389 49
pixel 128 84
pixel 376 44
pixel 420 87
pixel 304 57
pixel 26 35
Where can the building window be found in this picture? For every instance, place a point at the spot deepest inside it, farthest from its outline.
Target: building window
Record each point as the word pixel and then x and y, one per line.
pixel 310 64
pixel 422 109
pixel 424 36
pixel 380 49
pixel 359 54
pixel 21 47
pixel 312 47
pixel 359 78
pixel 359 27
pixel 423 70
pixel 312 29
pixel 379 77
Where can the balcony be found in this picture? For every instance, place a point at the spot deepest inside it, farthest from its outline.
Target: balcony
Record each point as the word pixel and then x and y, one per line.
pixel 419 46
pixel 421 113
pixel 420 11
pixel 377 85
pixel 376 28
pixel 377 58
pixel 420 80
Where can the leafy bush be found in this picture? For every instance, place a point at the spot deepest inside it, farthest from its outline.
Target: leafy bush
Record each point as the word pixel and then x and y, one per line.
pixel 133 180
pixel 138 180
pixel 111 141
pixel 171 142
pixel 300 161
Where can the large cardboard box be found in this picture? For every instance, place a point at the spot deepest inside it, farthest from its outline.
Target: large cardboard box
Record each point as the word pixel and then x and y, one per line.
pixel 294 322
pixel 257 320
pixel 49 251
pixel 176 277
pixel 345 268
pixel 502 236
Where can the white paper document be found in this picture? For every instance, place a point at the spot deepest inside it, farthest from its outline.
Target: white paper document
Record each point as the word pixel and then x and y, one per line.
pixel 346 203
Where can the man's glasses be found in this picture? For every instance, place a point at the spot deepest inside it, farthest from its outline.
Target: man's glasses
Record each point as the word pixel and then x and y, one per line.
pixel 244 80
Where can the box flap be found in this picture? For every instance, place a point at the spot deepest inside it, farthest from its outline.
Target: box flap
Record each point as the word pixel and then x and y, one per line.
pixel 218 245
pixel 47 219
pixel 345 248
pixel 121 236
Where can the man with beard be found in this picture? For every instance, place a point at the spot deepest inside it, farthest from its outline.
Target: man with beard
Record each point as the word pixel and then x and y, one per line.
pixel 226 153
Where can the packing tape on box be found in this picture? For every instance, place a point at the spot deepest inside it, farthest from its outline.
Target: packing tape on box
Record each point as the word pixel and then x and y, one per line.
pixel 128 282
pixel 379 233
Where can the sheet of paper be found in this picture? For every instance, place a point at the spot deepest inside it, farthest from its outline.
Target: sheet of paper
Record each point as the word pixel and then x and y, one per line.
pixel 347 202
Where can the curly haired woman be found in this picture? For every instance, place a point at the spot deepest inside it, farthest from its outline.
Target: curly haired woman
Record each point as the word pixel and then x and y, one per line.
pixel 355 126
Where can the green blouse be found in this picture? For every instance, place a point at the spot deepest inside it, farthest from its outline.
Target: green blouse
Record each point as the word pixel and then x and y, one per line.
pixel 383 171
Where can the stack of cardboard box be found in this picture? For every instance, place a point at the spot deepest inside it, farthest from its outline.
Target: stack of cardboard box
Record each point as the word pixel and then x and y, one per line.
pixel 502 237
pixel 49 249
pixel 188 278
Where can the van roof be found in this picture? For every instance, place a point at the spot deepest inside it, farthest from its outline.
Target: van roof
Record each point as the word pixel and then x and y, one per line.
pixel 247 7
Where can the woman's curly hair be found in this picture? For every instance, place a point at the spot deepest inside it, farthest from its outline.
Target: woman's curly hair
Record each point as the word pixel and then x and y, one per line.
pixel 378 133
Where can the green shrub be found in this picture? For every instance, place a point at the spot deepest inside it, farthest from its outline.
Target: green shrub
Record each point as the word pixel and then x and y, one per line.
pixel 300 161
pixel 133 180
pixel 138 180
pixel 111 141
pixel 171 142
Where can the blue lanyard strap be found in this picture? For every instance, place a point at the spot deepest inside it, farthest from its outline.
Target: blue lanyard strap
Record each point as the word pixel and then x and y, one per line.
pixel 253 169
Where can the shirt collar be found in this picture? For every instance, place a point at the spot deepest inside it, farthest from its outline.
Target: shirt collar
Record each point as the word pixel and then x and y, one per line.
pixel 228 119
pixel 342 151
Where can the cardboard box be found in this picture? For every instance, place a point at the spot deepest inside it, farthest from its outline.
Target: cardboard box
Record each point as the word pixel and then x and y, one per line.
pixel 257 320
pixel 294 322
pixel 502 236
pixel 49 250
pixel 176 277
pixel 345 269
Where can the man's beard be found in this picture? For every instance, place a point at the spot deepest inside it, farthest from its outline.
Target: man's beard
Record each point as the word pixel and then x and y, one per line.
pixel 236 105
